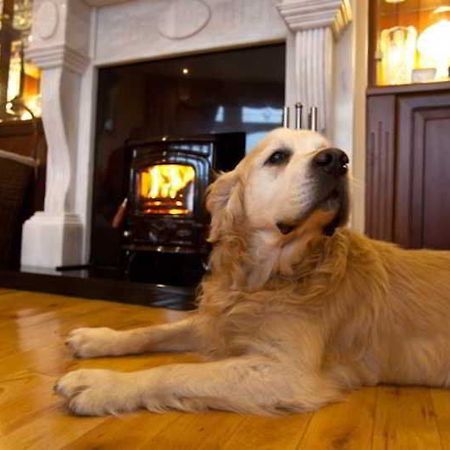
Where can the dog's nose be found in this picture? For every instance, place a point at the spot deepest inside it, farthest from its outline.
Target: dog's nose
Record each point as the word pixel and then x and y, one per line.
pixel 332 160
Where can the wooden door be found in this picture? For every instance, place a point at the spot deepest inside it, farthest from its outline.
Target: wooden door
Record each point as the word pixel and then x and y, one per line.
pixel 422 203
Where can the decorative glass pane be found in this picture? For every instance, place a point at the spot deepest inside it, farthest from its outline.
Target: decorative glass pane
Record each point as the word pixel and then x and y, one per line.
pixel 23 10
pixel 14 70
pixel 19 79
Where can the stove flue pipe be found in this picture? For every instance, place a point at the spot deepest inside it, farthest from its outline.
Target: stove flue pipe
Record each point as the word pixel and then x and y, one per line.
pixel 298 115
pixel 312 117
pixel 286 117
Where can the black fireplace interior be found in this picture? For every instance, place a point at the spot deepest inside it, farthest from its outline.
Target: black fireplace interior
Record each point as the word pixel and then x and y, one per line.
pixel 163 128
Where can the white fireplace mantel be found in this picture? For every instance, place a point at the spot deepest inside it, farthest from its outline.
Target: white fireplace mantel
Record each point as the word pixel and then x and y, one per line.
pixel 72 38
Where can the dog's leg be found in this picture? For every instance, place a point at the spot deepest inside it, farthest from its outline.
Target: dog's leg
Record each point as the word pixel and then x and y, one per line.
pixel 183 335
pixel 246 384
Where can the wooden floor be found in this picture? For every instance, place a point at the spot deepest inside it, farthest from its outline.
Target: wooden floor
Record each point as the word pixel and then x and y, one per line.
pixel 32 356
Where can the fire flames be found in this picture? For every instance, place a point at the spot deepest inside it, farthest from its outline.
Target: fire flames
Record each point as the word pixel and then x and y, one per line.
pixel 163 188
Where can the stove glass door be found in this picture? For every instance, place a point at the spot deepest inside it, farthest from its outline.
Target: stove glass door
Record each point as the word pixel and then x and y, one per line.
pixel 166 189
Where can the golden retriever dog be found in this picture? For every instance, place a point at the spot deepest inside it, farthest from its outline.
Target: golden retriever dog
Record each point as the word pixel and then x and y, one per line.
pixel 296 310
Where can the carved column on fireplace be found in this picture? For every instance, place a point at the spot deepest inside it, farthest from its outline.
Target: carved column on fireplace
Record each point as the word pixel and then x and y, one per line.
pixel 315 25
pixel 60 46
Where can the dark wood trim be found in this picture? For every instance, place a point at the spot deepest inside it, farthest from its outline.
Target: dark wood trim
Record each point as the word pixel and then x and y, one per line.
pixel 409 88
pixel 372 44
pixel 121 291
pixel 380 166
pixel 7 35
pixel 20 127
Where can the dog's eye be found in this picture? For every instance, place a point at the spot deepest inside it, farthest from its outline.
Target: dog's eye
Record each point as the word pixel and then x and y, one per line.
pixel 279 157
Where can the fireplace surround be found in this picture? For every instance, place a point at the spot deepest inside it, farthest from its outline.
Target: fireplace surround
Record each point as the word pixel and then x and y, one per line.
pixel 72 39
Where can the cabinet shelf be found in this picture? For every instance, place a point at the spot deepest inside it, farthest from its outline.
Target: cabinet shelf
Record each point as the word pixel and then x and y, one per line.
pixel 409 88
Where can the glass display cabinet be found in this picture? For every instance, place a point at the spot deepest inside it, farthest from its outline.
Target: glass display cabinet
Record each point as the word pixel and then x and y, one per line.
pixel 19 79
pixel 21 130
pixel 410 41
pixel 408 123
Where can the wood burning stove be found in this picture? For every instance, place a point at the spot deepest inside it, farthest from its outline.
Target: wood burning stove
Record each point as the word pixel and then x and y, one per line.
pixel 168 179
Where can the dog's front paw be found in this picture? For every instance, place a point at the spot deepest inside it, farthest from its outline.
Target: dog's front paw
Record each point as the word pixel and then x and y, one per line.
pixel 97 392
pixel 92 342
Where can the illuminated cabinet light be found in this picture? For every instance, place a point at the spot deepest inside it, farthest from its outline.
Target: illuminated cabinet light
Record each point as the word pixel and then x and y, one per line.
pixel 434 47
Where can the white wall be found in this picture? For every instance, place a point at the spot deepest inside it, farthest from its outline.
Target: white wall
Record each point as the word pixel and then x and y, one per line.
pixel 361 10
pixel 350 84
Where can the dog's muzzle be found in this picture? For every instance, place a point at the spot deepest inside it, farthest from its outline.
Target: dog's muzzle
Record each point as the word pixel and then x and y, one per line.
pixel 329 169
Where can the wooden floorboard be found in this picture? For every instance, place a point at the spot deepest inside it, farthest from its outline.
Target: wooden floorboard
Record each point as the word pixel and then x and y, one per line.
pixel 32 357
pixel 5 291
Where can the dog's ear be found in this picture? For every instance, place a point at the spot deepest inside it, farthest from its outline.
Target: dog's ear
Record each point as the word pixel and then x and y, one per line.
pixel 224 203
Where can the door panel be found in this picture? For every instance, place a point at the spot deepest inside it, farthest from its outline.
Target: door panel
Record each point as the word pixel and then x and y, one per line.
pixel 422 212
pixel 380 166
pixel 435 231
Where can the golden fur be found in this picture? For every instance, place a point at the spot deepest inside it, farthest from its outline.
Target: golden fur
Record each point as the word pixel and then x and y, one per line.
pixel 289 321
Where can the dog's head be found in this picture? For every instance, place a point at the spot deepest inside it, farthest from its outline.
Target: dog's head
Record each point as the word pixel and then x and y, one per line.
pixel 292 187
pixel 291 178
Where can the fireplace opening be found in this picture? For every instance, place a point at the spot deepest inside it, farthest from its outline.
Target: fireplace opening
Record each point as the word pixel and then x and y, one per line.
pixel 166 189
pixel 163 129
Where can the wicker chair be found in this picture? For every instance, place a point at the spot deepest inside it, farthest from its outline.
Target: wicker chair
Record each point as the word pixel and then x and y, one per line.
pixel 16 174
